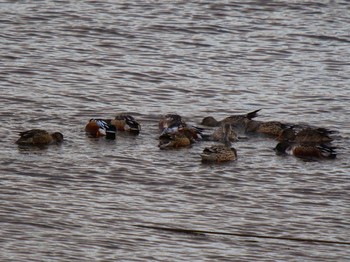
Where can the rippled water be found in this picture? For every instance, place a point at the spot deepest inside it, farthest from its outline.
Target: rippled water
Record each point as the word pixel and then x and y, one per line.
pixel 64 62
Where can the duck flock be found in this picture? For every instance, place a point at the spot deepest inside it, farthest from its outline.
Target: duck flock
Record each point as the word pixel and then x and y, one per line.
pixel 300 140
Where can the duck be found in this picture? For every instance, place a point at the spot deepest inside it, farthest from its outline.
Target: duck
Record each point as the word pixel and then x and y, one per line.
pixel 39 137
pixel 306 135
pixel 220 153
pixel 235 120
pixel 100 127
pixel 269 128
pixel 126 122
pixel 170 120
pixel 219 133
pixel 182 138
pixel 173 123
pixel 319 151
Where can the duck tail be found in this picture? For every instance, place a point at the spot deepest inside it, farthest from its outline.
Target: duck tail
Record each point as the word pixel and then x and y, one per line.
pixel 134 126
pixel 327 151
pixel 253 114
pixel 111 131
pixel 326 131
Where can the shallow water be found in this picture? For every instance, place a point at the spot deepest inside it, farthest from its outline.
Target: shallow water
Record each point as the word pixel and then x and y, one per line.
pixel 64 62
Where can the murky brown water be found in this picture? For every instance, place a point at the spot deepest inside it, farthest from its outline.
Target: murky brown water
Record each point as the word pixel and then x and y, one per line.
pixel 64 62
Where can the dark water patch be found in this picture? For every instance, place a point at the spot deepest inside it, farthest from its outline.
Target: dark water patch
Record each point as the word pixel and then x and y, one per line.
pixel 322 37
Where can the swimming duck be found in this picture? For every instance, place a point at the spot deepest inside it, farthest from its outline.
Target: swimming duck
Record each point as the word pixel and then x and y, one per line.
pixel 306 135
pixel 182 138
pixel 39 137
pixel 235 120
pixel 269 128
pixel 305 150
pixel 170 120
pixel 173 123
pixel 100 127
pixel 219 134
pixel 220 153
pixel 125 122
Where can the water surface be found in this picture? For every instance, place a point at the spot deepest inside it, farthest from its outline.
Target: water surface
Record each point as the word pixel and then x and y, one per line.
pixel 65 62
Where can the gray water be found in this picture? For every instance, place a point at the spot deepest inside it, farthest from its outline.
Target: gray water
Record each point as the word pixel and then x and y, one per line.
pixel 64 62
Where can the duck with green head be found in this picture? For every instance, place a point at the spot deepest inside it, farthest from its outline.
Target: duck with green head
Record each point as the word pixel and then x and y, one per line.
pixel 100 127
pixel 126 122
